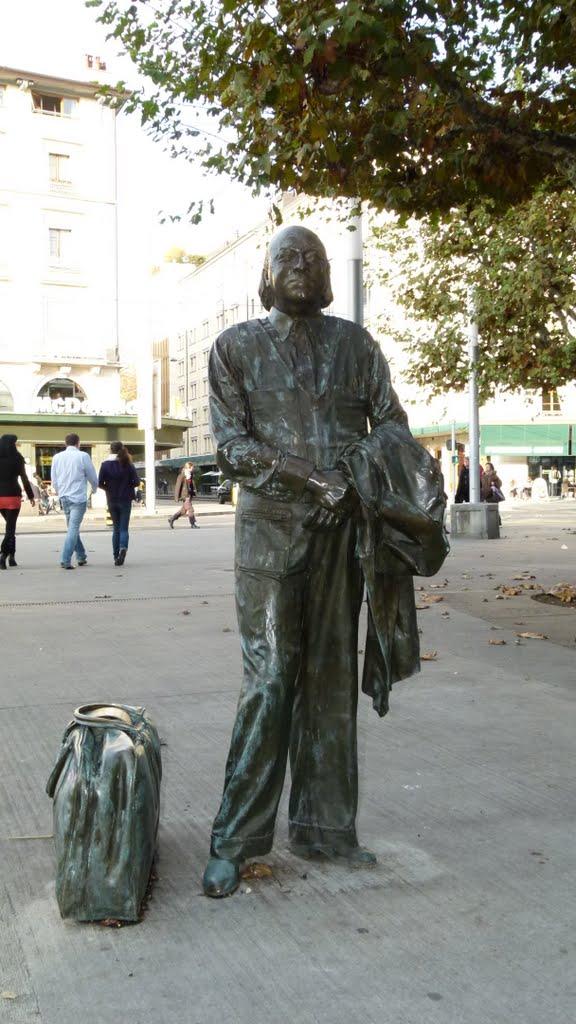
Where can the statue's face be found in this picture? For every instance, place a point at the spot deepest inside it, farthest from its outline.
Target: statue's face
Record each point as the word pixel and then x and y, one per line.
pixel 298 271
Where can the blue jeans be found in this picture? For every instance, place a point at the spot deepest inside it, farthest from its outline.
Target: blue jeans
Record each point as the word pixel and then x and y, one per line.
pixel 74 512
pixel 120 515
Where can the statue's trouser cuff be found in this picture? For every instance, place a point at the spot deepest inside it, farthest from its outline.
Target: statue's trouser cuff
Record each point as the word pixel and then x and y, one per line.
pixel 341 840
pixel 239 849
pixel 299 630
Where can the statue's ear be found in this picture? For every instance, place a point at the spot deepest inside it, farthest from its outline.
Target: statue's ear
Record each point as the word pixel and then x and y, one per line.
pixel 265 290
pixel 327 294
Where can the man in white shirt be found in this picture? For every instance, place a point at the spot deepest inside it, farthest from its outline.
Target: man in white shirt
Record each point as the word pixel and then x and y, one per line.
pixel 72 472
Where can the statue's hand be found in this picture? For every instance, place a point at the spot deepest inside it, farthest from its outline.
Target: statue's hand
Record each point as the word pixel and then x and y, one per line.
pixel 319 518
pixel 331 489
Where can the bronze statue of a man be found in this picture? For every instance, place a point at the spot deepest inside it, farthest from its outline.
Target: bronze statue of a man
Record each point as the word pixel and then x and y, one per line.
pixel 335 496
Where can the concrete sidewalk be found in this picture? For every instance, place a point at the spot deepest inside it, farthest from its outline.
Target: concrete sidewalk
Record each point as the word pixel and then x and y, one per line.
pixel 30 521
pixel 467 796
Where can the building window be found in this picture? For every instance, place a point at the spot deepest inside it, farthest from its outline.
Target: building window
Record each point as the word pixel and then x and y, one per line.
pixel 205 386
pixel 550 400
pixel 59 245
pixel 193 392
pixel 192 364
pixel 180 367
pixel 59 106
pixel 192 443
pixel 59 165
pixel 205 357
pixel 207 442
pixel 61 388
pixel 6 400
pixel 204 414
pixel 194 417
pixel 181 395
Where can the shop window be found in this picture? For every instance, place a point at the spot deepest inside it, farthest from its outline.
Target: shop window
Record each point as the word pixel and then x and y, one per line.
pixel 45 454
pixel 550 400
pixel 6 400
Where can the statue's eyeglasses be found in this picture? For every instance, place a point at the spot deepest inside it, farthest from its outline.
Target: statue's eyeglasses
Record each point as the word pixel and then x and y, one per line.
pixel 310 257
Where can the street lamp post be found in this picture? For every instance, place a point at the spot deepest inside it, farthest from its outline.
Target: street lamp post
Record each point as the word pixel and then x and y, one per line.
pixel 474 420
pixel 355 266
pixel 149 419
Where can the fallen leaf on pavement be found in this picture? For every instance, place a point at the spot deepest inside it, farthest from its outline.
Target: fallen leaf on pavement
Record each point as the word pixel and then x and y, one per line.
pixel 185 612
pixel 509 591
pixel 432 598
pixel 532 636
pixel 6 994
pixel 422 607
pixel 429 656
pixel 256 870
pixel 497 643
pixel 524 576
pixel 564 592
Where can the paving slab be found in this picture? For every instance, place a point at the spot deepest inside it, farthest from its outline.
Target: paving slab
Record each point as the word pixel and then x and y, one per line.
pixel 466 796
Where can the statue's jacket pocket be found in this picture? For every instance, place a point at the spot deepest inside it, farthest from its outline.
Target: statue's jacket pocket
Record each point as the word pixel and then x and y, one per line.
pixel 263 540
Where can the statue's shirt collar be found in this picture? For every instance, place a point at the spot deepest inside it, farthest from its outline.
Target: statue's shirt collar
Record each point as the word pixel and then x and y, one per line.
pixel 282 323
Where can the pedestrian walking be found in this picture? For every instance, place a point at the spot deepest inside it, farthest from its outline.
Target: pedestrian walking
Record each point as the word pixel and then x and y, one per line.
pixel 72 473
pixel 119 479
pixel 185 491
pixel 12 468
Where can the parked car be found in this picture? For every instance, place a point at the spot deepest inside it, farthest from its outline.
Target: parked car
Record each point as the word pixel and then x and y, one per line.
pixel 224 492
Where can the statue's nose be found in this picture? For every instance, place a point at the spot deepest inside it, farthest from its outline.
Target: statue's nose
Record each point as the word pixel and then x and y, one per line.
pixel 299 260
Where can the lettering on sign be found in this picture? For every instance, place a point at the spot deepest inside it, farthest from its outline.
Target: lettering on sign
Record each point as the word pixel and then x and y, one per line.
pixel 78 406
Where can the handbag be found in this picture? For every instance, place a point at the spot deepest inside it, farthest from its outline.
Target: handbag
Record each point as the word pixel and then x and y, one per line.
pixel 105 788
pixel 497 493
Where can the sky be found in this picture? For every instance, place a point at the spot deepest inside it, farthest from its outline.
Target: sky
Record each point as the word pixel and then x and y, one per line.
pixel 150 181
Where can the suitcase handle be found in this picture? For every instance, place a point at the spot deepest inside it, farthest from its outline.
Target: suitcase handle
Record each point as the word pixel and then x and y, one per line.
pixel 84 715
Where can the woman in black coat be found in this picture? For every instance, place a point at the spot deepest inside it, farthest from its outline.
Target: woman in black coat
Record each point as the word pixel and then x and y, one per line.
pixel 12 467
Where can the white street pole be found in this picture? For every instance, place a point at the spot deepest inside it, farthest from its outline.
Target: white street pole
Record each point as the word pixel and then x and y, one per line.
pixel 150 470
pixel 474 420
pixel 454 460
pixel 355 267
pixel 147 422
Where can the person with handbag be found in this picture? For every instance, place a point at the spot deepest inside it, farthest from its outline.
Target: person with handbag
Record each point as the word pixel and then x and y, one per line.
pixel 491 485
pixel 185 491
pixel 12 469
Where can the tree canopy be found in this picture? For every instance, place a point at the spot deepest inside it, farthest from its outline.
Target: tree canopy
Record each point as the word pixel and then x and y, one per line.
pixel 412 105
pixel 520 269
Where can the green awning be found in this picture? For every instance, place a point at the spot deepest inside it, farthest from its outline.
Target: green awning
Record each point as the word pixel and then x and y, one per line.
pixel 438 429
pixel 525 439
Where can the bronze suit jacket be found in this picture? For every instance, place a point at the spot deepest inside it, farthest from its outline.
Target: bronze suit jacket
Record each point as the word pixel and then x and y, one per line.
pixel 271 431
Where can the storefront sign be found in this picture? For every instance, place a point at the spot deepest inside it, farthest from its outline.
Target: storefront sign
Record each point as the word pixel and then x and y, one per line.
pixel 77 406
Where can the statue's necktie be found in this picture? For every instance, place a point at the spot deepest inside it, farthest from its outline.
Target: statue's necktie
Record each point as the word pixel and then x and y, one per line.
pixel 300 342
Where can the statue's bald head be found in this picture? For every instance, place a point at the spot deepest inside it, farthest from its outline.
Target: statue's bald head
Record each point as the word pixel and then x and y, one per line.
pixel 296 274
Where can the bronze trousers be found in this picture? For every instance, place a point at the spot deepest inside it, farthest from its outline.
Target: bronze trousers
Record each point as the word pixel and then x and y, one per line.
pixel 298 595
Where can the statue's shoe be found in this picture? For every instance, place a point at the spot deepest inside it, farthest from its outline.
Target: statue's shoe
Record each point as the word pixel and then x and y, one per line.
pixel 355 856
pixel 221 877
